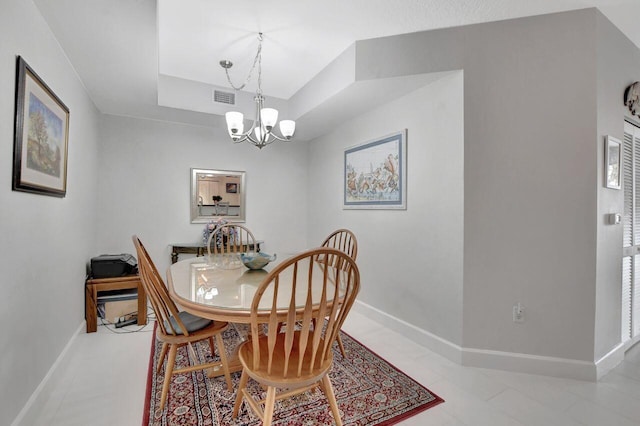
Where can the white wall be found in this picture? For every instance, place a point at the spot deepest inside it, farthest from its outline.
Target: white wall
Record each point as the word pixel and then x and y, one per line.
pixel 46 241
pixel 144 186
pixel 410 260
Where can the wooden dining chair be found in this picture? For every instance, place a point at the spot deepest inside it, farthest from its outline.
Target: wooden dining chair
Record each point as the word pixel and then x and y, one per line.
pixel 231 238
pixel 178 328
pixel 297 359
pixel 343 240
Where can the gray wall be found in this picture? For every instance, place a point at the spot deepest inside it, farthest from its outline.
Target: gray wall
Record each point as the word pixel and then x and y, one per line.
pixel 46 241
pixel 529 174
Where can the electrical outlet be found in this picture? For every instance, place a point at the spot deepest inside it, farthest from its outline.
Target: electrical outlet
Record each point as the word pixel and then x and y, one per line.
pixel 518 312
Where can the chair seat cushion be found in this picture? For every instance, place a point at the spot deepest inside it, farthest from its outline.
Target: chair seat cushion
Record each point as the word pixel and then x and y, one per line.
pixel 191 322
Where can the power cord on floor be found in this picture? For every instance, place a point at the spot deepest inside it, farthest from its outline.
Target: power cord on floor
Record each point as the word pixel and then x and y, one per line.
pixel 111 326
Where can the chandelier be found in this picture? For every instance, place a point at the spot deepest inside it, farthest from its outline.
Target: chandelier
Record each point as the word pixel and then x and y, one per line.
pixel 261 132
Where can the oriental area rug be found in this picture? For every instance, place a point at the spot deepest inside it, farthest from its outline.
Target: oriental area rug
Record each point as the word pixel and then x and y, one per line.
pixel 369 390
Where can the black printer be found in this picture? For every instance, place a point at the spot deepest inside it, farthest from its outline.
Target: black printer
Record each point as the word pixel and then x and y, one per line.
pixel 113 265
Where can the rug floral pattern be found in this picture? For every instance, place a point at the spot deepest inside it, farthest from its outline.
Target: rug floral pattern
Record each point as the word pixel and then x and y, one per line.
pixel 369 390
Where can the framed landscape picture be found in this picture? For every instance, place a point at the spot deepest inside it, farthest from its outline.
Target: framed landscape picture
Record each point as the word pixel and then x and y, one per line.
pixel 41 136
pixel 375 173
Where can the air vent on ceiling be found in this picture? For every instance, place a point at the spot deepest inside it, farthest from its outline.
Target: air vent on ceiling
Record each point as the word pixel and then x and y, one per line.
pixel 224 97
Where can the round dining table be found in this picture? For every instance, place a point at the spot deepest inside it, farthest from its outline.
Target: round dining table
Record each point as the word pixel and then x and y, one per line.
pixel 221 288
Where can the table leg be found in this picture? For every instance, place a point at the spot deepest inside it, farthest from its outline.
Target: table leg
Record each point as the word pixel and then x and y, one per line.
pixel 233 359
pixel 90 308
pixel 234 365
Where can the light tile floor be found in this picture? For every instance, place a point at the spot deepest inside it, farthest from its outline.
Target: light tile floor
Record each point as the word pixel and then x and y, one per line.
pixel 106 382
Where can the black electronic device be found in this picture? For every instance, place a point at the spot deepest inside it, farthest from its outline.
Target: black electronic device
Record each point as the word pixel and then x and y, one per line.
pixel 113 265
pixel 127 322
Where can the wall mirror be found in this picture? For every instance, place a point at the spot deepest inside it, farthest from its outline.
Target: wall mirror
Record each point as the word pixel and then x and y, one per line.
pixel 217 194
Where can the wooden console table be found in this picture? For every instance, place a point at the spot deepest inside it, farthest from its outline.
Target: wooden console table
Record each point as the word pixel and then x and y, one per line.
pixel 95 285
pixel 199 249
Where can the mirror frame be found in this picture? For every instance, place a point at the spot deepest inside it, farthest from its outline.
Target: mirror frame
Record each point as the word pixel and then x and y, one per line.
pixel 196 217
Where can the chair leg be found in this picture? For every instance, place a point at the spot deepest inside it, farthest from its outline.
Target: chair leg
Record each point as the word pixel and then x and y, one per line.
pixel 168 372
pixel 163 354
pixel 243 383
pixel 193 358
pixel 269 405
pixel 328 391
pixel 224 361
pixel 339 339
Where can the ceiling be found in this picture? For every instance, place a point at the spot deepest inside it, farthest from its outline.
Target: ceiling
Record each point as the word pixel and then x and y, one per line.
pixel 149 58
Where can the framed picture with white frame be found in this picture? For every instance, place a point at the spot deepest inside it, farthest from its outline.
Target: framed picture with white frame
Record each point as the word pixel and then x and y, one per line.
pixel 612 162
pixel 375 173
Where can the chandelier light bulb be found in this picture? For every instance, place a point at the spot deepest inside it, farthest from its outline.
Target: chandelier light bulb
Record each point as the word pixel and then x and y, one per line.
pixel 258 133
pixel 235 122
pixel 269 117
pixel 287 128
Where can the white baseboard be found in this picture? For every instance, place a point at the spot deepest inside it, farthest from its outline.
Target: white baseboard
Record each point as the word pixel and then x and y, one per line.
pixel 531 364
pixel 610 360
pixel 509 361
pixel 424 338
pixel 27 417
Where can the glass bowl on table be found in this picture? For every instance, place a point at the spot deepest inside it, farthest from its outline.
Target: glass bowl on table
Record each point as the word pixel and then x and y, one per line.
pixel 256 260
pixel 226 260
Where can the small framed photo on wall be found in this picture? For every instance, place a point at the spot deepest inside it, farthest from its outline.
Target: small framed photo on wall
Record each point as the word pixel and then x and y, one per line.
pixel 232 188
pixel 612 162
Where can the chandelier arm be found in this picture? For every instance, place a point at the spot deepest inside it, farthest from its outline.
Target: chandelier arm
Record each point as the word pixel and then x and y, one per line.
pixel 249 138
pixel 280 138
pixel 242 139
pixel 266 139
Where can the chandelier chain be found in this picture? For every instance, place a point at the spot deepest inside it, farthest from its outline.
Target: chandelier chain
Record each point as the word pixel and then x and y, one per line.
pixel 256 61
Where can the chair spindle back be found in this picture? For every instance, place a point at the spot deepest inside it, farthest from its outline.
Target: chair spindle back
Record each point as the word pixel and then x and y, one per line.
pixel 231 238
pixel 343 240
pixel 323 284
pixel 163 306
